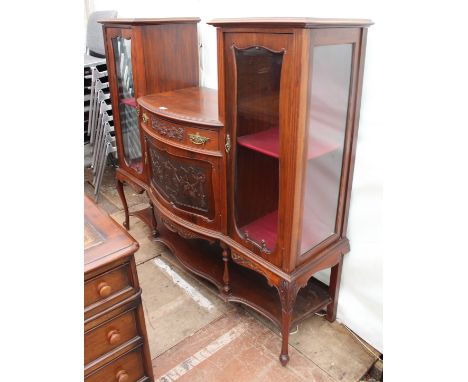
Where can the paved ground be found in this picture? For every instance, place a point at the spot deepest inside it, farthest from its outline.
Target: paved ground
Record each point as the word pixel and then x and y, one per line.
pixel 194 336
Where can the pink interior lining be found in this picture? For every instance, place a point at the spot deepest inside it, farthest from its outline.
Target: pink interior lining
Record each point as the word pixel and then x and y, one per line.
pixel 267 142
pixel 129 101
pixel 266 228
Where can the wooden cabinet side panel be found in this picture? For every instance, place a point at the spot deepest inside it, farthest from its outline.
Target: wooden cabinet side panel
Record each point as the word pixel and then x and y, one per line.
pixel 332 36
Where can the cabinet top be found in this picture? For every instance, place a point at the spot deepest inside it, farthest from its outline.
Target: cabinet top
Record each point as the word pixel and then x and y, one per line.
pixel 290 22
pixel 195 105
pixel 178 20
pixel 104 240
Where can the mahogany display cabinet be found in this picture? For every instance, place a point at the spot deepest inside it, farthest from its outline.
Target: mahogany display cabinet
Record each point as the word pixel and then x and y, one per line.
pixel 144 56
pixel 251 184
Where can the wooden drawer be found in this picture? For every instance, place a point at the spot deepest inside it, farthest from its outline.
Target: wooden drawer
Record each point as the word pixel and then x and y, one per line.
pixel 130 364
pixel 109 335
pixel 108 286
pixel 182 135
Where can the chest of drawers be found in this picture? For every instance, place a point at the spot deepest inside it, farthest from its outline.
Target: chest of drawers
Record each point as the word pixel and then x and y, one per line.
pixel 115 343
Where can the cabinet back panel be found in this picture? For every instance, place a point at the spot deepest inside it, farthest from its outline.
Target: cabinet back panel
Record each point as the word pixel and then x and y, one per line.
pixel 257 189
pixel 171 57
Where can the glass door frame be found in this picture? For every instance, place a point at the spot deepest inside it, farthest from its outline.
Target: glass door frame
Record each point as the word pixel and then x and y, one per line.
pixel 275 42
pixel 126 33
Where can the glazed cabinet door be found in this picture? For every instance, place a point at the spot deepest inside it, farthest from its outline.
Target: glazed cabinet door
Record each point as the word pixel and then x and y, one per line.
pixel 121 49
pixel 257 86
pixel 185 183
pixel 329 137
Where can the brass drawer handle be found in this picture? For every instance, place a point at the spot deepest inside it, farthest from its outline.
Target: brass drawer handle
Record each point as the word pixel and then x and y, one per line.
pixel 198 139
pixel 145 118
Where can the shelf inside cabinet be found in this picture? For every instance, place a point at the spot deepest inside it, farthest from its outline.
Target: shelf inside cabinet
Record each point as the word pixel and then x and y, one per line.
pixel 267 142
pixel 129 101
pixel 266 228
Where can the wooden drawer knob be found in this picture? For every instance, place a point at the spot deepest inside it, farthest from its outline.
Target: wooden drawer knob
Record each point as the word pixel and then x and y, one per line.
pixel 122 376
pixel 113 337
pixel 104 289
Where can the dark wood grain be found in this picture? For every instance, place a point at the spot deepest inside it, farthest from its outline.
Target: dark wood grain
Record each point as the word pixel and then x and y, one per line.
pixel 270 89
pixel 157 65
pixel 196 105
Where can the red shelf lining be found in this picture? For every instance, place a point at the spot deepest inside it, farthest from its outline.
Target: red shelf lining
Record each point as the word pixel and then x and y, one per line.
pixel 136 164
pixel 129 101
pixel 267 142
pixel 266 228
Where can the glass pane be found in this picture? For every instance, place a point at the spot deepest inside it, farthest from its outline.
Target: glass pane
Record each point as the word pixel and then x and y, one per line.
pixel 326 125
pixel 257 150
pixel 127 105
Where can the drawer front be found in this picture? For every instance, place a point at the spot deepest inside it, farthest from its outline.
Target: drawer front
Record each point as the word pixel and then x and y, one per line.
pixel 108 285
pixel 129 368
pixel 190 137
pixel 111 334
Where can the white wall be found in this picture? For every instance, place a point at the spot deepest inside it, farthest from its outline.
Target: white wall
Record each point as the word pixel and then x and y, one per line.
pixel 360 305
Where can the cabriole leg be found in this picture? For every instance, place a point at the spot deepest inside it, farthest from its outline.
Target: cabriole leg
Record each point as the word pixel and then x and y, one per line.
pixel 287 292
pixel 285 327
pixel 334 289
pixel 121 192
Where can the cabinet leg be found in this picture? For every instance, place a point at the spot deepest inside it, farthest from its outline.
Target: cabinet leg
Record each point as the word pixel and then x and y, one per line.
pixel 121 192
pixel 334 289
pixel 226 284
pixel 154 222
pixel 287 292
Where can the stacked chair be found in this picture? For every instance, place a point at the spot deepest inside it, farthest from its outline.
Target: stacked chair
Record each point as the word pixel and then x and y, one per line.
pixel 99 126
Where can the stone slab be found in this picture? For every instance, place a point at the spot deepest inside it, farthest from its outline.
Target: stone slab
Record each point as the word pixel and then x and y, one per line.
pixel 172 314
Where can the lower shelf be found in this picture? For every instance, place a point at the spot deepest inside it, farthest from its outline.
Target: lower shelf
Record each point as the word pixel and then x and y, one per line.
pixel 247 287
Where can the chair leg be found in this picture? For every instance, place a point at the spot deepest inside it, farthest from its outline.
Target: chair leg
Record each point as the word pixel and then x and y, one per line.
pixel 121 192
pixel 334 289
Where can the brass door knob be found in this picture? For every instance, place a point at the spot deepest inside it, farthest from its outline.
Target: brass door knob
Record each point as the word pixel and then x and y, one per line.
pixel 113 337
pixel 145 118
pixel 104 289
pixel 122 376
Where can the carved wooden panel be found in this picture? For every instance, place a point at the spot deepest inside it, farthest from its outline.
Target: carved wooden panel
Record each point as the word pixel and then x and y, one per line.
pixel 167 129
pixel 185 183
pixel 245 262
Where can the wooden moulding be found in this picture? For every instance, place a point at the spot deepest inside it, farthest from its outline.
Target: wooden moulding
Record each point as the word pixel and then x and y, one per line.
pixel 153 21
pixel 247 287
pixel 290 22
